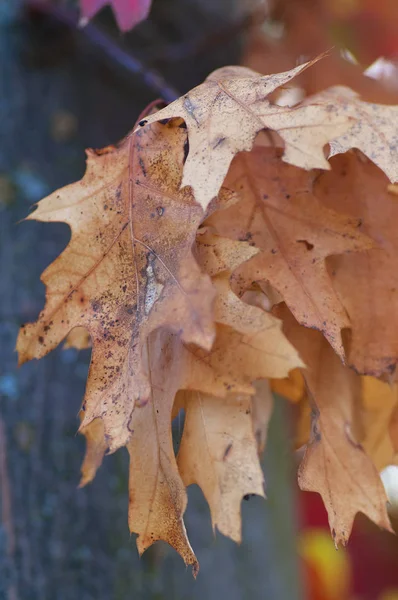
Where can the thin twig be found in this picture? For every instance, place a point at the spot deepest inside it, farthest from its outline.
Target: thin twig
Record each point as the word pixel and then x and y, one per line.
pixel 151 78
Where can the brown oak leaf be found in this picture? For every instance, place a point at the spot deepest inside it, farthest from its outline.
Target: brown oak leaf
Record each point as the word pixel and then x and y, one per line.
pixel 366 282
pixel 218 451
pixel 224 114
pixel 374 129
pixel 335 464
pixel 128 270
pixel 157 496
pixel 260 343
pixel 279 213
pixel 247 347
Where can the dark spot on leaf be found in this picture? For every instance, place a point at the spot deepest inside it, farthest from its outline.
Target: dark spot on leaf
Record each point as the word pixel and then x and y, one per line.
pixel 227 450
pixel 308 245
pixel 142 165
pixel 95 305
pixel 220 141
pixel 186 150
pixel 248 496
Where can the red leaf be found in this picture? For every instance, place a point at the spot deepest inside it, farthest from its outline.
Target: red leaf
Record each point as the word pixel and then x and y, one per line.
pixel 128 13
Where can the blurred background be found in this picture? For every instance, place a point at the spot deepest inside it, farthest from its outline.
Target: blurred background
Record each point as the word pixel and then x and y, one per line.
pixel 63 89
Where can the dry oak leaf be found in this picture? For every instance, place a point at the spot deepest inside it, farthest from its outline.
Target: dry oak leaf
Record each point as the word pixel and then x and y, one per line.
pixel 374 128
pixel 335 465
pixel 127 270
pixel 218 452
pixel 157 496
pixel 249 345
pixel 261 339
pixel 366 282
pixel 224 114
pixel 259 336
pixel 237 358
pixel 217 254
pixel 279 214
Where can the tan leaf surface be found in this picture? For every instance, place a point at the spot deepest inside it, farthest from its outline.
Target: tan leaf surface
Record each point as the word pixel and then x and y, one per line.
pixel 374 129
pixel 96 446
pixel 393 429
pixel 127 270
pixel 217 254
pixel 366 282
pixel 219 452
pixel 157 494
pixel 335 465
pixel 224 114
pixel 236 360
pixel 280 215
pixel 78 338
pixel 262 341
pixel 249 345
pixel 157 497
pixel 246 348
pixel 291 387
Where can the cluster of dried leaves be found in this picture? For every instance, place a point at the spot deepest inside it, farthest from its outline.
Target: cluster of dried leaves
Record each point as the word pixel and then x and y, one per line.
pixel 207 261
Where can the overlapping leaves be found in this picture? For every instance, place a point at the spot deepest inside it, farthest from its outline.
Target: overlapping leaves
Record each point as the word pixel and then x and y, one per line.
pixel 195 295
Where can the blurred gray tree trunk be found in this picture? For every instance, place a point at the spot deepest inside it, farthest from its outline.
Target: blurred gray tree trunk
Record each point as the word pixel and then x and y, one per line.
pixel 57 542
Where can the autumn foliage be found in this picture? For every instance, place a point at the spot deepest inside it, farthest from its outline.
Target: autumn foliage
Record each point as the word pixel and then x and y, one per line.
pixel 227 243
